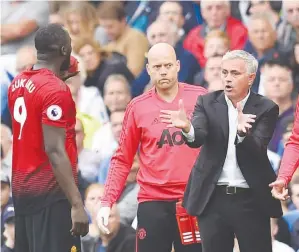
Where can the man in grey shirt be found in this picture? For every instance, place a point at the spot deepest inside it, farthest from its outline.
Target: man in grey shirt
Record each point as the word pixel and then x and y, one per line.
pixel 19 22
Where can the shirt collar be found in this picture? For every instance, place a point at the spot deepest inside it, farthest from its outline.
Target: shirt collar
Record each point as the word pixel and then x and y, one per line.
pixel 243 102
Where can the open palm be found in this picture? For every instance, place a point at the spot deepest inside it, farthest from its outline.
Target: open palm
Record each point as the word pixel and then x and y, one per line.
pixel 175 118
pixel 245 121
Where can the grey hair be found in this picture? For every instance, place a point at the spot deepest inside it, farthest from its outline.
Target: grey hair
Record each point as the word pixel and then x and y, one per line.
pixel 265 17
pixel 116 77
pixel 250 61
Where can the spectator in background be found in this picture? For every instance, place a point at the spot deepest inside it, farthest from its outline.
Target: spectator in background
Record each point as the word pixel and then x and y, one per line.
pixel 88 99
pixel 288 30
pixel 25 58
pixel 123 39
pixel 9 229
pixel 91 242
pixel 80 19
pixel 100 64
pixel 19 21
pixel 262 42
pixel 165 32
pixel 215 85
pixel 88 161
pixel 211 72
pixel 294 193
pixel 216 15
pixel 173 12
pixel 6 199
pixel 6 149
pixel 295 68
pixel 278 84
pixel 140 13
pixel 272 8
pixel 117 95
pixel 278 246
pixel 116 120
pixel 216 42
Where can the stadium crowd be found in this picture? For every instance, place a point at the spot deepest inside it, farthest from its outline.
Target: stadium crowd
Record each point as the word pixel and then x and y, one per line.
pixel 111 40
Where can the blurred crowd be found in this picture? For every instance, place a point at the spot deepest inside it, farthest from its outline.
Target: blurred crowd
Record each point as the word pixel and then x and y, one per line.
pixel 111 40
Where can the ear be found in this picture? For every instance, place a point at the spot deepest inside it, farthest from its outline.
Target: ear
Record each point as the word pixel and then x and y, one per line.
pixel 148 69
pixel 178 63
pixel 251 78
pixel 63 51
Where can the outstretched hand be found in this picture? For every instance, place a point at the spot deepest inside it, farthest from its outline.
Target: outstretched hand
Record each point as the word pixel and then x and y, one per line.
pixel 176 118
pixel 279 190
pixel 245 121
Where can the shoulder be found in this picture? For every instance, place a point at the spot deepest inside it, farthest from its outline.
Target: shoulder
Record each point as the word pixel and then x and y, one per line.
pixel 264 101
pixel 141 100
pixel 199 90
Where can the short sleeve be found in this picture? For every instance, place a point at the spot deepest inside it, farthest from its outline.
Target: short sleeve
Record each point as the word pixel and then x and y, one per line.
pixel 55 108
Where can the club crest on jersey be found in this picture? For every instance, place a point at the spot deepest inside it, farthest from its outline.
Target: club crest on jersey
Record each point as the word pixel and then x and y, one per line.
pixel 54 112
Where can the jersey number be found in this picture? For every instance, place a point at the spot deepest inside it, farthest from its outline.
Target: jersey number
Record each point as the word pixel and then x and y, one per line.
pixel 20 113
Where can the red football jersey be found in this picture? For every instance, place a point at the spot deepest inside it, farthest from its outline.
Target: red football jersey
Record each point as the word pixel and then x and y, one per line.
pixel 38 97
pixel 165 159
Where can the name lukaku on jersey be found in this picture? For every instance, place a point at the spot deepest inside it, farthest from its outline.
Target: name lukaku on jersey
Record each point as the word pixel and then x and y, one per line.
pixel 28 84
pixel 176 138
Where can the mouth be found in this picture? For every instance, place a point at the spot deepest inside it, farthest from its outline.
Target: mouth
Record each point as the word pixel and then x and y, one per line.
pixel 228 88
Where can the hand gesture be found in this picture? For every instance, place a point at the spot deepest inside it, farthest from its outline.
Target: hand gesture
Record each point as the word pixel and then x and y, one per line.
pixel 80 221
pixel 245 121
pixel 177 118
pixel 279 190
pixel 103 219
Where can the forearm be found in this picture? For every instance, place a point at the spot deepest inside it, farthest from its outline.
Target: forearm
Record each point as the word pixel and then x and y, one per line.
pixel 290 160
pixel 62 170
pixel 17 31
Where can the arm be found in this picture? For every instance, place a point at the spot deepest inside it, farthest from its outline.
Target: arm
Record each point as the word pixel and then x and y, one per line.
pixel 122 160
pixel 290 159
pixel 135 54
pixel 54 140
pixel 257 141
pixel 200 124
pixel 18 30
pixel 54 134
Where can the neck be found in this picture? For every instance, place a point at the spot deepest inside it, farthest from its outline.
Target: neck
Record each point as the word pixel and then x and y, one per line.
pixel 235 101
pixel 168 94
pixel 283 104
pixel 52 66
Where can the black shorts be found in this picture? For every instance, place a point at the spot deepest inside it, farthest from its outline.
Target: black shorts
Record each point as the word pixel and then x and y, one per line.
pixel 46 231
pixel 158 230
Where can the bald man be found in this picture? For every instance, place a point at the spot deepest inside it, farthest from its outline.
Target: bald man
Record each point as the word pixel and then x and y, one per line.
pixel 165 159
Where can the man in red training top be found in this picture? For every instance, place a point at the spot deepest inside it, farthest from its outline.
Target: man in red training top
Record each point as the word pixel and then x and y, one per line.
pixel 289 163
pixel 49 210
pixel 165 159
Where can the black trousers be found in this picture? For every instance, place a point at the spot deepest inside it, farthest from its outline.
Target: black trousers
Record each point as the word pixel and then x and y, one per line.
pixel 46 231
pixel 230 215
pixel 158 229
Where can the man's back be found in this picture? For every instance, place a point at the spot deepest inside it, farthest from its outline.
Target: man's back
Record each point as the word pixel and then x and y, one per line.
pixel 38 97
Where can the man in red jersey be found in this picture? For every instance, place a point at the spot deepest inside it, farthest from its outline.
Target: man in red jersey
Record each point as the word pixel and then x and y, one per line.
pixel 49 210
pixel 165 159
pixel 289 163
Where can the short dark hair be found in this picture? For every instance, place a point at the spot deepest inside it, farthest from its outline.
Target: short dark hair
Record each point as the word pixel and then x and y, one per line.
pixel 51 38
pixel 112 10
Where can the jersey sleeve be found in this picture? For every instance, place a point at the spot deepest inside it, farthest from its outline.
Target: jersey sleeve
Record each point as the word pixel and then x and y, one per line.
pixel 122 160
pixel 55 106
pixel 290 160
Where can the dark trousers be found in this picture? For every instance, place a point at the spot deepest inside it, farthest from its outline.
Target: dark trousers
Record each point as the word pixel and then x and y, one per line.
pixel 158 229
pixel 47 230
pixel 230 215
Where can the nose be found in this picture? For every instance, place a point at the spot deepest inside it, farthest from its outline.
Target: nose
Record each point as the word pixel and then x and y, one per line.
pixel 163 71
